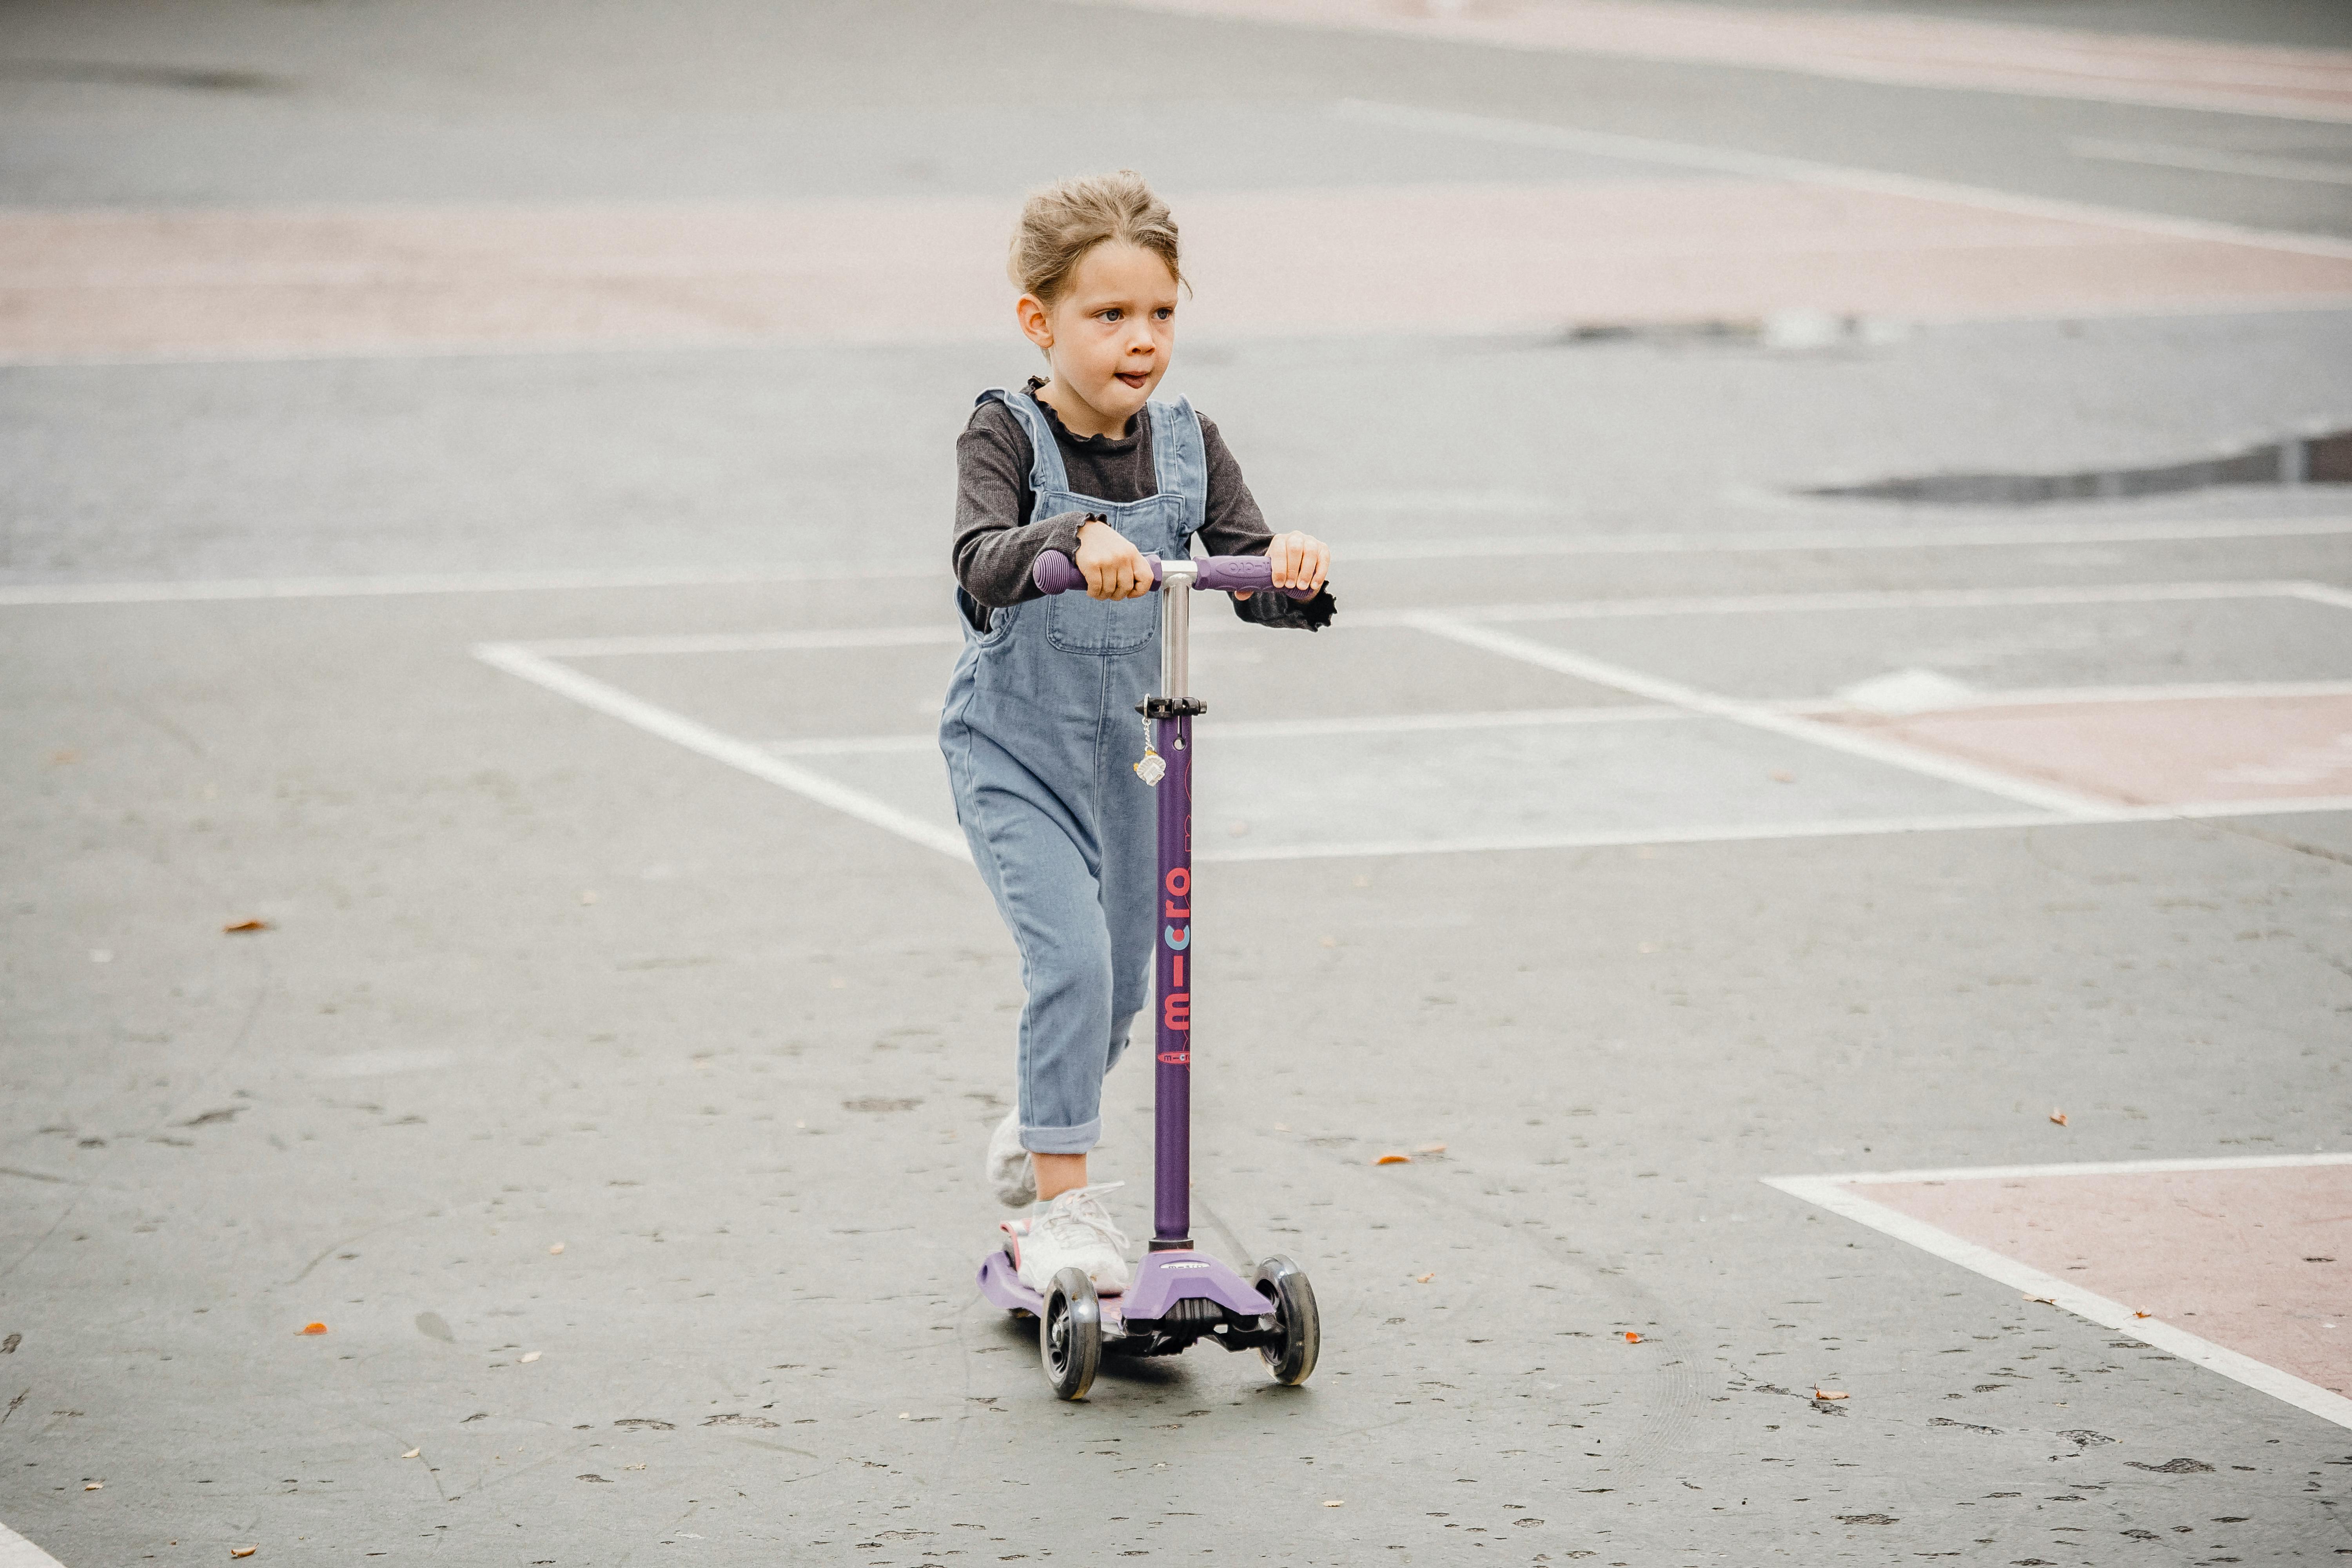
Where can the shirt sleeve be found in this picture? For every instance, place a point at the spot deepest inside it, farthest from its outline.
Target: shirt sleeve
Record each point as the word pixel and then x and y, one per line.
pixel 996 547
pixel 1236 527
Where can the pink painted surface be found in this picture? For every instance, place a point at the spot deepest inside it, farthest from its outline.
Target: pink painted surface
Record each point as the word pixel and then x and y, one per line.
pixel 1306 263
pixel 1927 51
pixel 2168 751
pixel 2223 1254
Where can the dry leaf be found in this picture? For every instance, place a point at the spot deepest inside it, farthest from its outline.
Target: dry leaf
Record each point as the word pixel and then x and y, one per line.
pixel 93 1485
pixel 557 1248
pixel 587 895
pixel 1631 1338
pixel 1425 1278
pixel 255 923
pixel 2045 1300
pixel 243 1551
pixel 1430 1149
pixel 1393 1160
pixel 1828 1394
pixel 2143 1314
pixel 529 1356
pixel 2059 1117
pixel 411 1453
pixel 1282 1127
pixel 311 1329
pixel 1334 1502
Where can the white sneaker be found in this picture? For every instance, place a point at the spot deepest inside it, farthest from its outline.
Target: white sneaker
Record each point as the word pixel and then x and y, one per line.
pixel 1010 1172
pixel 1074 1231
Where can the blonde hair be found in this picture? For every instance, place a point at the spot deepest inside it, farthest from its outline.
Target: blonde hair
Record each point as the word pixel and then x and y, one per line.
pixel 1068 218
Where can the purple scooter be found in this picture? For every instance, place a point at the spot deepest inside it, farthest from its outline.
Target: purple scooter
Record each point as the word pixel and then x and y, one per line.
pixel 1180 1296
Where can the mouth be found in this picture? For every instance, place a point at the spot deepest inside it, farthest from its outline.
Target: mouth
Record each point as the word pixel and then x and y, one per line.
pixel 1135 379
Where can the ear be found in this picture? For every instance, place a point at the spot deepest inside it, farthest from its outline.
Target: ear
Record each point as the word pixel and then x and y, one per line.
pixel 1036 325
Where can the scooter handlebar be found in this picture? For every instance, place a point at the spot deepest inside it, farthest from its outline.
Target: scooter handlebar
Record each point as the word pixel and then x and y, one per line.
pixel 1058 573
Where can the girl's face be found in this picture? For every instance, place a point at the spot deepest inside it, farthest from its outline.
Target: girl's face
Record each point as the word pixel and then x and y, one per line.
pixel 1110 336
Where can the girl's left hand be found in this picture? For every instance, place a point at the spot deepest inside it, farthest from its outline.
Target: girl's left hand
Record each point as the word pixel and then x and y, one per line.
pixel 1299 561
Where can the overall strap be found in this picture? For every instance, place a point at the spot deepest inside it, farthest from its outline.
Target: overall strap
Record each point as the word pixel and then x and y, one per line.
pixel 1045 470
pixel 1179 459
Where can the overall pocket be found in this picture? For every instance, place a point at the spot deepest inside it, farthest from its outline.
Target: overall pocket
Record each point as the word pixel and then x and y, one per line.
pixel 1077 624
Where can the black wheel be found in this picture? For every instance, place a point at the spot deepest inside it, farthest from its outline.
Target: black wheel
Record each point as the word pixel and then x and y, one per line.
pixel 1069 1335
pixel 1281 1282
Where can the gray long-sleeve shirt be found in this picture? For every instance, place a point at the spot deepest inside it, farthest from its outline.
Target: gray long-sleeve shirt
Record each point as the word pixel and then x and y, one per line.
pixel 996 545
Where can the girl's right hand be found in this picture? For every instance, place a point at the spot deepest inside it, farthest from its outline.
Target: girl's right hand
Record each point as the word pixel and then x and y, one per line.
pixel 1113 568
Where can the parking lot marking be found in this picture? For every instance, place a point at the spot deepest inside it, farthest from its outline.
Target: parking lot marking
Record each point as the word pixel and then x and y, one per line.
pixel 1285 728
pixel 1626 839
pixel 1897 537
pixel 1758 716
pixel 1836 1193
pixel 16 1551
pixel 2061 696
pixel 1817 722
pixel 1774 166
pixel 1909 599
pixel 1969 54
pixel 747 642
pixel 736 753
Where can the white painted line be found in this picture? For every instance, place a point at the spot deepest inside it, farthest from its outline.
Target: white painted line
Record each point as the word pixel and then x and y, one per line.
pixel 1740 833
pixel 2322 593
pixel 1904 599
pixel 770 762
pixel 700 738
pixel 1756 716
pixel 931 635
pixel 1890 536
pixel 16 1551
pixel 749 642
pixel 1835 1194
pixel 1285 728
pixel 2213 160
pixel 211 590
pixel 2205 810
pixel 1772 166
pixel 1984 700
pixel 2084 1168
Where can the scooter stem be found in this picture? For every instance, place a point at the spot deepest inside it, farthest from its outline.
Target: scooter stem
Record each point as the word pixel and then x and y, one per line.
pixel 1171 713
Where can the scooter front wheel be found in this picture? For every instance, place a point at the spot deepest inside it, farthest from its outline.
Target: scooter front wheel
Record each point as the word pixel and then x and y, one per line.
pixel 1285 1283
pixel 1069 1334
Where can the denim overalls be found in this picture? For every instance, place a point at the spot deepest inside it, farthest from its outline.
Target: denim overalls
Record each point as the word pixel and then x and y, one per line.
pixel 1041 736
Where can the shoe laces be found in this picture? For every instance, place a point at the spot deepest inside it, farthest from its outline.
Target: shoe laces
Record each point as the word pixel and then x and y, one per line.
pixel 1079 1213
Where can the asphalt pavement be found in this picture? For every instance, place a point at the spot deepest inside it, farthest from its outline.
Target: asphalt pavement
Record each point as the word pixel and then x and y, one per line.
pixel 614 1098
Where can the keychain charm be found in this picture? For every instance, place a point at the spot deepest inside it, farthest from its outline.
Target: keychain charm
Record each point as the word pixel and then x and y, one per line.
pixel 1153 767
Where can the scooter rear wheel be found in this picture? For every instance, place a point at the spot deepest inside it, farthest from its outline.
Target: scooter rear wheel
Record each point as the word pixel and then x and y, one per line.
pixel 1069 1334
pixel 1285 1283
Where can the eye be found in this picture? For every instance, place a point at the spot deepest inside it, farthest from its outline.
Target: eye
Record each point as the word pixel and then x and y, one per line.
pixel 1165 312
pixel 1113 314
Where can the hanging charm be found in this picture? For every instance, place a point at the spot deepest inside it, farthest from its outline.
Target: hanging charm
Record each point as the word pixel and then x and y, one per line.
pixel 1153 767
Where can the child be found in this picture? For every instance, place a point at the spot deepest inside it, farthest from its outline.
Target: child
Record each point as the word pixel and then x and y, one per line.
pixel 1040 729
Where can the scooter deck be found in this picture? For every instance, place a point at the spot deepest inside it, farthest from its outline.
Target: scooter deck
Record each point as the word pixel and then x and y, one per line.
pixel 1162 1280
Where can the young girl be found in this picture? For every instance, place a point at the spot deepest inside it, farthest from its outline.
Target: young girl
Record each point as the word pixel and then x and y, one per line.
pixel 1040 729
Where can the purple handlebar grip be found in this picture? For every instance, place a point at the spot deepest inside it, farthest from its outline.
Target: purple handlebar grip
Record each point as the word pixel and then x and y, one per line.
pixel 1058 573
